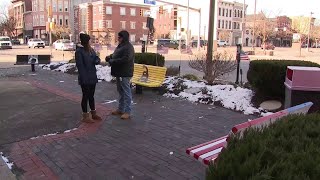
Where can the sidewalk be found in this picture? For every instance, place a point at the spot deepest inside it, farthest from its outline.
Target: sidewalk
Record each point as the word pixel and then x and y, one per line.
pixel 149 146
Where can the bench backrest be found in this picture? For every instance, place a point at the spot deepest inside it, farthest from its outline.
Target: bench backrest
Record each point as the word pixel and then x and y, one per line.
pixel 155 73
pixel 25 59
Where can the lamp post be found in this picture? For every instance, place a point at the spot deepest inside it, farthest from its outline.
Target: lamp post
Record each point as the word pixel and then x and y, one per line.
pixel 309 31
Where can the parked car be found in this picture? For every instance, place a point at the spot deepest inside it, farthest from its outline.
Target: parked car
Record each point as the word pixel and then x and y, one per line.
pixel 63 45
pixel 15 41
pixel 36 43
pixel 170 43
pixel 267 46
pixel 222 43
pixel 5 42
pixel 194 43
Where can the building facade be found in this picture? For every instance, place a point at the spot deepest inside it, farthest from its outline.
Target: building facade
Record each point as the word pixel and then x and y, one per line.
pixel 104 19
pixel 230 17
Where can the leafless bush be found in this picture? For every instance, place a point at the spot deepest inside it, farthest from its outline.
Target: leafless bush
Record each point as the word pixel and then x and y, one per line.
pixel 221 63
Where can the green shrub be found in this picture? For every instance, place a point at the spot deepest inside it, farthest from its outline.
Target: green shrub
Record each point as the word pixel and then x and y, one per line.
pixel 150 59
pixel 172 71
pixel 288 149
pixel 191 77
pixel 268 76
pixel 72 60
pixel 144 58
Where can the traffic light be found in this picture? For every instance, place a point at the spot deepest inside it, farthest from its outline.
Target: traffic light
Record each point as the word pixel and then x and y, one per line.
pixel 141 12
pixel 161 10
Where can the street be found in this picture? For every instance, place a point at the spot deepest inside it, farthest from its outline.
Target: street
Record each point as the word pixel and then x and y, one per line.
pixel 174 58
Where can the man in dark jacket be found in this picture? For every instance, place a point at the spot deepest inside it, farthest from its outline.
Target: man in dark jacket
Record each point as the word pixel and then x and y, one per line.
pixel 122 63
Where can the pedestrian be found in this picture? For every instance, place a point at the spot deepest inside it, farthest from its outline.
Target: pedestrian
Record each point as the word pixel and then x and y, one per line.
pixel 86 59
pixel 122 63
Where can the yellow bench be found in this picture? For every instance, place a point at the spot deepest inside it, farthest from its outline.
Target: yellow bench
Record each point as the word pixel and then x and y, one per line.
pixel 148 76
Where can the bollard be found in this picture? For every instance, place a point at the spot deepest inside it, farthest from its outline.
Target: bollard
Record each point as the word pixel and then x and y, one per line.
pixel 239 48
pixel 33 62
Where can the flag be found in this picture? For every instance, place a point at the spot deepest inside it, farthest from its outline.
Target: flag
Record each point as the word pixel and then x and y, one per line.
pixel 244 56
pixel 186 50
pixel 162 50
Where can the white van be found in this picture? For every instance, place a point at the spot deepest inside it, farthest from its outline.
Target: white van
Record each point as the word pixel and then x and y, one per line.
pixel 5 42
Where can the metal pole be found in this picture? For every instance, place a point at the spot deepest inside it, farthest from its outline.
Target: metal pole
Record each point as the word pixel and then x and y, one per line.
pixel 204 37
pixel 254 25
pixel 309 31
pixel 243 21
pixel 199 33
pixel 188 9
pixel 211 30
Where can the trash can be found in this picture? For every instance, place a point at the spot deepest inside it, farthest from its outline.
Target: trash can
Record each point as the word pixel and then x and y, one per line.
pixel 302 85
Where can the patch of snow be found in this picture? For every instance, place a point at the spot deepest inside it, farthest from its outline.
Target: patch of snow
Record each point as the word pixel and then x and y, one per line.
pixel 171 153
pixel 52 134
pixel 230 97
pixel 6 160
pixel 109 101
pixel 67 131
pixel 65 67
pixel 266 114
pixel 104 73
pixel 61 81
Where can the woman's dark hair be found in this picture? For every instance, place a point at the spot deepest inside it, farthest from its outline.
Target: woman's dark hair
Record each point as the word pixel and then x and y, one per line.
pixel 84 38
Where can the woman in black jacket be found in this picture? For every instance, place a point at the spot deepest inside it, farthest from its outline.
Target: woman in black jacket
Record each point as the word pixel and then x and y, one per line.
pixel 86 61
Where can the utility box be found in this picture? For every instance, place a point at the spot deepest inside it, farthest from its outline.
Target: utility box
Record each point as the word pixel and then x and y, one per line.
pixel 302 85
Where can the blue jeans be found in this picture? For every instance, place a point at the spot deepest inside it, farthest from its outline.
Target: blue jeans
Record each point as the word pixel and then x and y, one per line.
pixel 124 90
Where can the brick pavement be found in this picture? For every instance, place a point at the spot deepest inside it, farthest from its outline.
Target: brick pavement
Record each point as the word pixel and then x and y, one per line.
pixel 149 146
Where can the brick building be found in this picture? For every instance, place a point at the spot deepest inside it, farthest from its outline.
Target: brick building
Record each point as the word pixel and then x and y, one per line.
pixel 104 19
pixel 164 23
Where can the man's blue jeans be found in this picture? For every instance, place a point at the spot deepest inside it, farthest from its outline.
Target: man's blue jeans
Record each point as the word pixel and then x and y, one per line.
pixel 124 90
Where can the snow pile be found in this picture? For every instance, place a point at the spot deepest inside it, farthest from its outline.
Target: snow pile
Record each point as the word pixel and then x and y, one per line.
pixel 235 98
pixel 6 160
pixel 67 131
pixel 65 67
pixel 52 134
pixel 103 72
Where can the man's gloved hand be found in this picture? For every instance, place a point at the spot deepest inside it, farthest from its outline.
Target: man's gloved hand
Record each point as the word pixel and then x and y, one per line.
pixel 107 58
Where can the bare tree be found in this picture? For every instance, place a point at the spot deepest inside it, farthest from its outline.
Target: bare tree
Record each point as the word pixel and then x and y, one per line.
pixel 222 63
pixel 62 32
pixel 224 35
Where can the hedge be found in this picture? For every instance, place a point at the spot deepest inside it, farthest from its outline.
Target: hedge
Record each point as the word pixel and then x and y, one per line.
pixel 268 76
pixel 288 149
pixel 145 58
pixel 150 59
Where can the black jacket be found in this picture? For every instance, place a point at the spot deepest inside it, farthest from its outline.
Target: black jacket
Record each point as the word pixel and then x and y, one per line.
pixel 86 62
pixel 122 60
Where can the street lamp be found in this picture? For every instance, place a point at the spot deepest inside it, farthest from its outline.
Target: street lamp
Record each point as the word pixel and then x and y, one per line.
pixel 309 31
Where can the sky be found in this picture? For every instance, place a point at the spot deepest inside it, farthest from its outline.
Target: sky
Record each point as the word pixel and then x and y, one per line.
pixel 272 7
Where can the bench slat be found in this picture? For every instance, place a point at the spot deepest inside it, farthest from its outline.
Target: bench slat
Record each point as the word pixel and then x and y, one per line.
pixel 210 149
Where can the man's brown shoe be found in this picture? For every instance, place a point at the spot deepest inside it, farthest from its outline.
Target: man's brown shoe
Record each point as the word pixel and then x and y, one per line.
pixel 95 116
pixel 86 118
pixel 116 112
pixel 125 116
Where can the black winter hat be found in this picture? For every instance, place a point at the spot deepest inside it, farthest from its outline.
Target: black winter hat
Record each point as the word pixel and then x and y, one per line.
pixel 84 38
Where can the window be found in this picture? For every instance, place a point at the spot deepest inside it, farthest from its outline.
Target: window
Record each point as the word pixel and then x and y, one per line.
pixel 100 10
pixel 94 24
pixel 230 13
pixel 66 20
pixel 109 10
pixel 219 23
pixel 234 25
pixel 238 13
pixel 109 24
pixel 238 25
pixel 133 25
pixel 235 13
pixel 66 5
pixel 35 6
pixel 223 12
pixel 144 25
pixel 60 6
pixel 241 14
pixel 60 20
pixel 132 38
pixel 123 24
pixel 54 6
pixel 101 24
pixel 41 5
pixel 230 25
pixel 222 24
pixel 42 22
pixel 122 11
pixel 227 12
pixel 226 24
pixel 133 11
pixel 219 11
pixel 55 18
